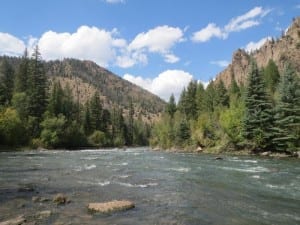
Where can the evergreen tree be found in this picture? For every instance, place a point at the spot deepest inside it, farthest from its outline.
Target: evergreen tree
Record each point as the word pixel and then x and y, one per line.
pixel 171 106
pixel 258 111
pixel 200 95
pixel 37 86
pixel 221 96
pixel 130 123
pixel 87 119
pixel 272 76
pixel 191 106
pixel 287 118
pixel 22 74
pixel 96 112
pixel 6 82
pixel 209 101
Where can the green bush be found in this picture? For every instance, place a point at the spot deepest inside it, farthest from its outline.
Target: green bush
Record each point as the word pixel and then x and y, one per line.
pixel 98 138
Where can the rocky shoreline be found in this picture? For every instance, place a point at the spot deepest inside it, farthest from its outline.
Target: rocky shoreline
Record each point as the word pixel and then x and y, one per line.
pixel 41 209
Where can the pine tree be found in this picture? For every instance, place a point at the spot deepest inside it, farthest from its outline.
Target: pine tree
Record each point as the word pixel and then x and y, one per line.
pixel 6 82
pixel 37 86
pixel 258 111
pixel 200 95
pixel 171 106
pixel 272 76
pixel 22 74
pixel 130 123
pixel 287 118
pixel 96 112
pixel 222 98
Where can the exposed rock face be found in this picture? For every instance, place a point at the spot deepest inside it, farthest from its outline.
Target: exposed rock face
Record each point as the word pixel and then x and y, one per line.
pixel 110 207
pixel 285 49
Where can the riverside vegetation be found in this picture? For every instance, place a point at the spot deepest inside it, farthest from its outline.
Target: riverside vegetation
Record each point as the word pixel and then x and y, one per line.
pixel 264 115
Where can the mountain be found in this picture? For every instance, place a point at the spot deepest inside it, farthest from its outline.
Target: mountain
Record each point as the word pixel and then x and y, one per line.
pixel 85 77
pixel 284 49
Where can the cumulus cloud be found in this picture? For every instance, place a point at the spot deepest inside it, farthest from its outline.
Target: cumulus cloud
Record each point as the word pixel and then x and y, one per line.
pixel 158 40
pixel 205 34
pixel 236 24
pixel 89 43
pixel 166 83
pixel 10 45
pixel 221 63
pixel 252 46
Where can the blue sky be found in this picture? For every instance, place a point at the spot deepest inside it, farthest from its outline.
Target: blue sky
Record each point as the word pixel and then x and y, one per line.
pixel 159 44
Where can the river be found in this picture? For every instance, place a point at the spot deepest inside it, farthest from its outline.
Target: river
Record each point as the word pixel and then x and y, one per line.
pixel 167 188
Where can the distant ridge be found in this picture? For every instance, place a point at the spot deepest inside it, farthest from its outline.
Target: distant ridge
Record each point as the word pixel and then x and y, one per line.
pixel 284 49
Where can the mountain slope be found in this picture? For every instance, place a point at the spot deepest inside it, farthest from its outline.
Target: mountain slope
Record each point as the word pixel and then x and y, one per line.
pixel 282 50
pixel 85 77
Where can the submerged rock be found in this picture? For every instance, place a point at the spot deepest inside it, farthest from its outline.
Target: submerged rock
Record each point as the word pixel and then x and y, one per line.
pixel 218 158
pixel 43 214
pixel 16 221
pixel 111 207
pixel 40 199
pixel 60 199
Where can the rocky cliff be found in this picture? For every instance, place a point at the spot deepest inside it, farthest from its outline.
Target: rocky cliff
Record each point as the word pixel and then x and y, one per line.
pixel 284 49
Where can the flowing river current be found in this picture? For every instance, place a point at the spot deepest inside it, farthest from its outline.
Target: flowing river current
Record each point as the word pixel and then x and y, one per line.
pixel 167 188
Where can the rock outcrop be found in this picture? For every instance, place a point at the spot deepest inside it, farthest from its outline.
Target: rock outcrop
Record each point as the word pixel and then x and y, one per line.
pixel 110 207
pixel 282 50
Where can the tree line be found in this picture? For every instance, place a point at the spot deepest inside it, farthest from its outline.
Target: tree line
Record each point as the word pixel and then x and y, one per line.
pixel 263 115
pixel 37 112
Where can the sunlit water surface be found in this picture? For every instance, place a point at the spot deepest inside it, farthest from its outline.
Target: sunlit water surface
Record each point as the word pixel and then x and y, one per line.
pixel 167 188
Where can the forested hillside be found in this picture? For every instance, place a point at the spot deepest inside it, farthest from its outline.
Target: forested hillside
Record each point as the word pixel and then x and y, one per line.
pixel 254 107
pixel 71 104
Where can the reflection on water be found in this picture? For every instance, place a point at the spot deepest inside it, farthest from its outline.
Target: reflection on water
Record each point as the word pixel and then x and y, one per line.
pixel 167 188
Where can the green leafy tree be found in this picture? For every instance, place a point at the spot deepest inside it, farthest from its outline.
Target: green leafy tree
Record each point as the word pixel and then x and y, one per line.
pixel 258 111
pixel 130 123
pixel 287 118
pixel 53 131
pixel 12 131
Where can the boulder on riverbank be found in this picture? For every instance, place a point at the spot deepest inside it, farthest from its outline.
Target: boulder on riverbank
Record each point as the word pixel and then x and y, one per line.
pixel 110 207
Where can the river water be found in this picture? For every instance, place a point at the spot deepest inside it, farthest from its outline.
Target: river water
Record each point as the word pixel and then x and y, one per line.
pixel 167 188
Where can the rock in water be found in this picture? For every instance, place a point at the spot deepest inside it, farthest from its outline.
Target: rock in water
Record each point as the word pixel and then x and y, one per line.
pixel 60 199
pixel 16 221
pixel 111 207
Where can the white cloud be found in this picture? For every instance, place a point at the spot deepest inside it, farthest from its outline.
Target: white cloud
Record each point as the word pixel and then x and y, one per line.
pixel 170 58
pixel 252 46
pixel 246 20
pixel 114 1
pixel 160 40
pixel 10 45
pixel 205 34
pixel 221 63
pixel 90 43
pixel 166 83
pixel 242 22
